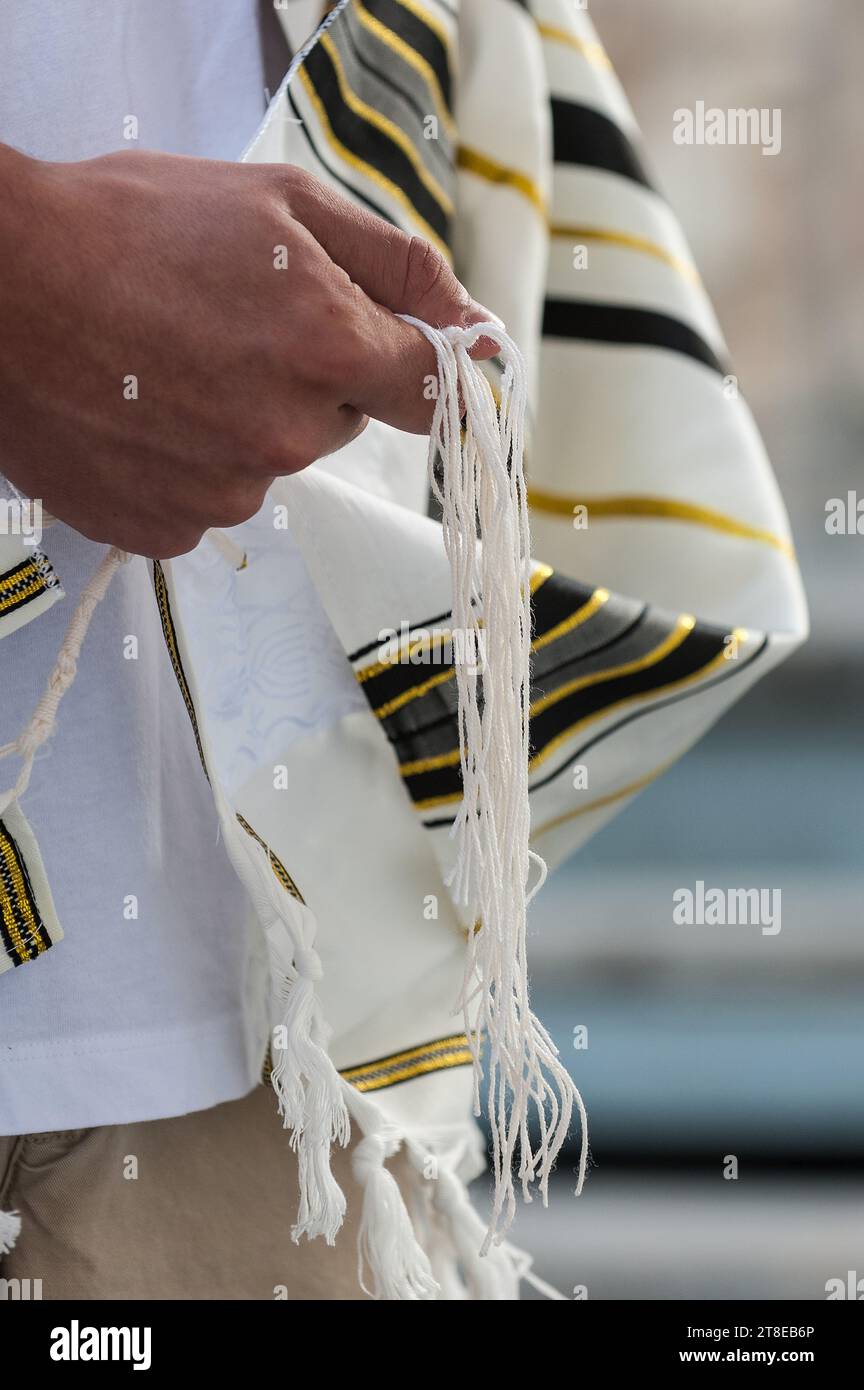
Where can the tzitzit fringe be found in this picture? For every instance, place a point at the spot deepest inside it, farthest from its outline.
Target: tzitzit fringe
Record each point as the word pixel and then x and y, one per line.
pixel 482 496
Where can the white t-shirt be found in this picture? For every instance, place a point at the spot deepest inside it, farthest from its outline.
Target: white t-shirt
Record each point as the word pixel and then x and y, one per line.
pixel 73 74
pixel 128 1018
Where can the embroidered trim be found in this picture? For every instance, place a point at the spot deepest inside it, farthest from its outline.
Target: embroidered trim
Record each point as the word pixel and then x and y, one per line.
pixel 275 863
pixel 170 635
pixel 43 564
pixel 25 583
pixel 23 932
pixel 440 1055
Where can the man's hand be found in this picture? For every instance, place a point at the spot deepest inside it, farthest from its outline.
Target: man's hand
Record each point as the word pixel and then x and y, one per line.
pixel 158 369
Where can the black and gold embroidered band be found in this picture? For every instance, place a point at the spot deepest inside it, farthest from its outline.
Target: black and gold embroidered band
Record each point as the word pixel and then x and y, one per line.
pixel 275 862
pixel 24 583
pixel 24 931
pixel 440 1055
pixel 169 632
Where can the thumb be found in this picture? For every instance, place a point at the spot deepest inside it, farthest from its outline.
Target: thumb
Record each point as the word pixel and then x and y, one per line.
pixel 394 366
pixel 394 370
pixel 402 273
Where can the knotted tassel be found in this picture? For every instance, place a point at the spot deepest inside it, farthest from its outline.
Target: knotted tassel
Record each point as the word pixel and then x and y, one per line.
pixel 310 1100
pixel 309 1090
pixel 482 496
pixel 10 1230
pixel 493 1279
pixel 388 1250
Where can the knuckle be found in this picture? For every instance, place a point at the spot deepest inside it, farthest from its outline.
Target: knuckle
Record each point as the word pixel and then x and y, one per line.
pixel 293 185
pixel 178 540
pixel 237 505
pixel 295 460
pixel 278 455
pixel 162 539
pixel 426 271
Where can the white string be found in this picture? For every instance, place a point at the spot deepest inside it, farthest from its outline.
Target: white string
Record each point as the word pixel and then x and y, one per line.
pixel 482 489
pixel 42 722
pixel 299 58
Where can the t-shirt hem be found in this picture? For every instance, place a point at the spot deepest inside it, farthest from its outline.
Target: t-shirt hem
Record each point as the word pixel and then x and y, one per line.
pixel 117 1079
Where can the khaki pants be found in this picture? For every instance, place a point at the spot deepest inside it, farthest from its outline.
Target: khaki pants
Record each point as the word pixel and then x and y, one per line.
pixel 208 1215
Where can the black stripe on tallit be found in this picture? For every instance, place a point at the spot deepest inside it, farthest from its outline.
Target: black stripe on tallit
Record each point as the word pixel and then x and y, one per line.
pixel 418 36
pixel 332 173
pixel 643 713
pixel 370 144
pixel 695 652
pixel 699 648
pixel 583 136
pixel 355 35
pixel 735 669
pixel 621 324
pixel 373 646
pixel 428 725
pixel 552 604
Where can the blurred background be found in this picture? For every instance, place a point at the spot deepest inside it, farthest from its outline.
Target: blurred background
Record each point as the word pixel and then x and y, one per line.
pixel 709 1042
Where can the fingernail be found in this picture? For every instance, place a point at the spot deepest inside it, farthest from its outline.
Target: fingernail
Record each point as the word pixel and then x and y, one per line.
pixel 481 314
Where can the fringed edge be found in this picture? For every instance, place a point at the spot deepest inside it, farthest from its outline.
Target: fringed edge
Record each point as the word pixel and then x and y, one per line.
pixel 318 1106
pixel 455 1229
pixel 491 1277
pixel 309 1095
pixel 10 1230
pixel 389 1254
pixel 308 1088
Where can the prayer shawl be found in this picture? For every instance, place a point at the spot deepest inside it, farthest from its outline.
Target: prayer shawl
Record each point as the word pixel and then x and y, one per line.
pixel 665 585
